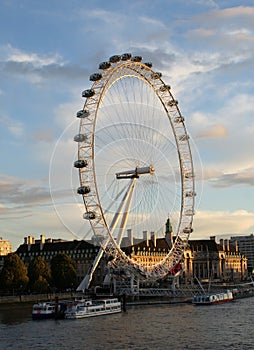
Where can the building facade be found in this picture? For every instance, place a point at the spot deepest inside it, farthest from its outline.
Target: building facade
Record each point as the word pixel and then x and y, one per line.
pixel 245 244
pixel 211 261
pixel 202 259
pixel 82 252
pixel 5 247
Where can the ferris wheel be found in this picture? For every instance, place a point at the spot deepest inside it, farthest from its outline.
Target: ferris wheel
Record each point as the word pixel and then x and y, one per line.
pixel 135 163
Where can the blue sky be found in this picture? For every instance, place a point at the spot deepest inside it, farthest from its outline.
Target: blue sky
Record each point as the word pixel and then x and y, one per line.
pixel 48 50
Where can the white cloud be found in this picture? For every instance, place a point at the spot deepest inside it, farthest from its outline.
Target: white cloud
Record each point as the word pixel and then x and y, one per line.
pixel 109 17
pixel 37 68
pixel 16 55
pixel 14 127
pixel 152 21
pixel 214 131
pixel 222 222
pixel 241 177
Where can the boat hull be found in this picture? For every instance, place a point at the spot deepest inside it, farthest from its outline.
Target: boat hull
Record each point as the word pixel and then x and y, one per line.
pixel 213 302
pixel 217 298
pixel 85 315
pixel 42 316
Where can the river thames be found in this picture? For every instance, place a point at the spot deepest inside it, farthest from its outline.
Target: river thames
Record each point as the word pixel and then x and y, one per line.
pixel 161 327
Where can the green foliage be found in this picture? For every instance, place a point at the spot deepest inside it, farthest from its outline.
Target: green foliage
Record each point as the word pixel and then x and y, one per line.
pixel 39 275
pixel 40 285
pixel 64 274
pixel 14 274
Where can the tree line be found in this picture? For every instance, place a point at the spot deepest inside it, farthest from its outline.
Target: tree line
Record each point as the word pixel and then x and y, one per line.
pixel 38 277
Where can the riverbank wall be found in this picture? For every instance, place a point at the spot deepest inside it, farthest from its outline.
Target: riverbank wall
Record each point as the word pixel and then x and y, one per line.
pixel 34 298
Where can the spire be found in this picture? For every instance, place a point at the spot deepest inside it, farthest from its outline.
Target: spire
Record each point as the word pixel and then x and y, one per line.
pixel 169 233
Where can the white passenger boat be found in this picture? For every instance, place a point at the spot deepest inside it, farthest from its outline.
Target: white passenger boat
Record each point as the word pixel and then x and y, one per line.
pixel 43 310
pixel 216 298
pixel 90 308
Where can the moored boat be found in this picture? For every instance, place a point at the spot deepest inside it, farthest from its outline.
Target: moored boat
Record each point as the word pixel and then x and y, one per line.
pixel 90 308
pixel 43 310
pixel 216 298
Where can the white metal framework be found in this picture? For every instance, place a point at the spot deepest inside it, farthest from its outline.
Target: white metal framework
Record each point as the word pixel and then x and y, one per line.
pixel 134 162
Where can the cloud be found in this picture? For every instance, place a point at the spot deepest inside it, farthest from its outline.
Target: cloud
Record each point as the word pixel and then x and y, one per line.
pixel 16 55
pixel 152 21
pixel 244 12
pixel 37 68
pixel 110 17
pixel 214 131
pixel 13 126
pixel 230 15
pixel 46 136
pixel 243 177
pixel 19 193
pixel 222 222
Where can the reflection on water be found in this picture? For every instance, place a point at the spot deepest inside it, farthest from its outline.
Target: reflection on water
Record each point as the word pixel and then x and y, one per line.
pixel 162 327
pixel 15 313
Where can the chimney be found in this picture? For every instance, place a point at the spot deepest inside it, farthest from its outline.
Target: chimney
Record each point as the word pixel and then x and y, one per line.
pixel 130 236
pixel 212 238
pixel 222 244
pixel 236 247
pixel 42 241
pixel 226 243
pixel 153 238
pixel 145 238
pixel 29 242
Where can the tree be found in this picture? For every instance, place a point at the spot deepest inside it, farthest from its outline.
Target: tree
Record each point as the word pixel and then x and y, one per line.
pixel 64 274
pixel 39 275
pixel 13 274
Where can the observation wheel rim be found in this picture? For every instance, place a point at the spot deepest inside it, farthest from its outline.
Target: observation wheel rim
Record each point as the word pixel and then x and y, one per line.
pixel 109 77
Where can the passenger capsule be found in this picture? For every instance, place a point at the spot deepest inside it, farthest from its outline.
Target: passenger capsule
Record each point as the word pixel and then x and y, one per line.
pixel 189 212
pixel 165 88
pixel 136 59
pixel 187 230
pixel 88 93
pixel 104 65
pixel 89 215
pixel 179 120
pixel 184 137
pixel 80 138
pixel 190 194
pixel 83 190
pixel 172 103
pixel 95 77
pixel 83 113
pixel 188 175
pixel 148 64
pixel 126 57
pixel 80 163
pixel 156 75
pixel 115 59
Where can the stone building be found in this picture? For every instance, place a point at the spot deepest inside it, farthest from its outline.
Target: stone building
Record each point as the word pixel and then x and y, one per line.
pixel 204 259
pixel 245 244
pixel 5 247
pixel 82 252
pixel 208 260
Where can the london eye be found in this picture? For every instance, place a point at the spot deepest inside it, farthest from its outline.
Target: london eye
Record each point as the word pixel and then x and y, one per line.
pixel 135 164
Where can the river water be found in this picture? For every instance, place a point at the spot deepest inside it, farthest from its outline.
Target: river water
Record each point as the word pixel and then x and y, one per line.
pixel 161 327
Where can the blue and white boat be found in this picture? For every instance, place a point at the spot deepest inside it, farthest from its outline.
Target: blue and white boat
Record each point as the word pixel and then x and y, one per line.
pixel 90 308
pixel 216 298
pixel 43 310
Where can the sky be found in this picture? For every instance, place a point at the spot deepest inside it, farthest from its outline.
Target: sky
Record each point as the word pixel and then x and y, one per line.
pixel 48 50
